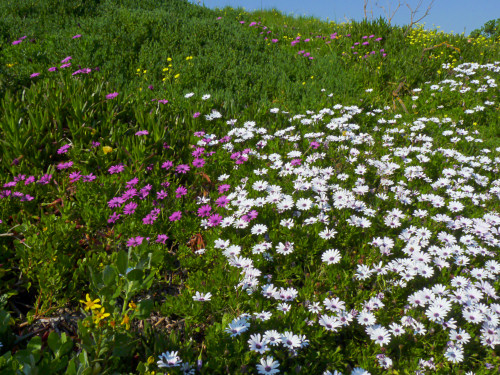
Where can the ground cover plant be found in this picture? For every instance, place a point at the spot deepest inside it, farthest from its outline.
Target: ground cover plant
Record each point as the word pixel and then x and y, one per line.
pixel 186 190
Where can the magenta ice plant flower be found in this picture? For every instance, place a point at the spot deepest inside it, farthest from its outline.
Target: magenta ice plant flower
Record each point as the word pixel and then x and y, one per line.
pixel 112 95
pixel 116 169
pixel 177 215
pixel 133 242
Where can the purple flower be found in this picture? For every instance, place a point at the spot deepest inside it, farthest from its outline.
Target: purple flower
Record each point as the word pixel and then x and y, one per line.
pixel 75 176
pixel 116 169
pixel 142 132
pixel 45 179
pixel 223 188
pixel 198 162
pixel 177 215
pixel 112 95
pixel 113 218
pixel 163 101
pixel 132 182
pixel 89 178
pixel 53 69
pixel 204 211
pixel 198 152
pixel 77 36
pixel 161 194
pixel 64 149
pixel 116 202
pixel 222 201
pixel 274 40
pixel 16 42
pixel 150 87
pixel 144 192
pixel 34 75
pixel 182 168
pixel 196 114
pixel 167 165
pixel 62 166
pixel 181 190
pixel 214 220
pixel 66 59
pixel 162 238
pixel 129 208
pixel 133 242
pixel 65 65
pixel 95 144
pixel 129 194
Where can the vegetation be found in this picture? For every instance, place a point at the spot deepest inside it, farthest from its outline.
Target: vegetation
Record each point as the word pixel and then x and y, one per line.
pixel 216 191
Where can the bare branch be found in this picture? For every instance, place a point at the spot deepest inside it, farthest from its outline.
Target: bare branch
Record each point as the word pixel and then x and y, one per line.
pixel 413 13
pixel 388 14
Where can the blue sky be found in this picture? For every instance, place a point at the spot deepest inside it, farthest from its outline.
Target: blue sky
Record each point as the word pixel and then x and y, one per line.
pixel 451 15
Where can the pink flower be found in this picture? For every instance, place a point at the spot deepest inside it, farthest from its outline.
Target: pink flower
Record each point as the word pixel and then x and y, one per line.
pixel 198 162
pixel 62 166
pixel 34 75
pixel 142 132
pixel 77 36
pixel 53 69
pixel 181 191
pixel 224 188
pixel 16 42
pixel 133 242
pixel 175 216
pixel 162 238
pixel 64 149
pixel 112 95
pixel 214 220
pixel 167 164
pixel 66 59
pixel 116 169
pixel 196 114
pixel 204 211
pixel 129 208
pixel 182 168
pixel 222 201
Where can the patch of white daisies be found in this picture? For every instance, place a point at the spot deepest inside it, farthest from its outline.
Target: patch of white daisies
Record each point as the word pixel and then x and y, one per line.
pixel 398 153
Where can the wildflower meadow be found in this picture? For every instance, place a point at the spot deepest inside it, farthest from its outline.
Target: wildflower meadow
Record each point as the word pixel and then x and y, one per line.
pixel 195 191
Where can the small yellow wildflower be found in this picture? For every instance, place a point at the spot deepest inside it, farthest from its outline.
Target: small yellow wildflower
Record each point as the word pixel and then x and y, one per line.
pixel 132 305
pixel 89 304
pixel 177 75
pixel 169 59
pixel 138 70
pixel 107 149
pixel 100 315
pixel 165 69
pixel 145 71
pixel 126 322
pixel 151 360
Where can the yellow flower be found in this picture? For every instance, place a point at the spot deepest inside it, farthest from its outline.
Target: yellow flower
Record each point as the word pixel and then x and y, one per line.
pixel 151 360
pixel 145 71
pixel 107 149
pixel 169 59
pixel 126 321
pixel 177 75
pixel 138 69
pixel 165 69
pixel 89 304
pixel 10 65
pixel 189 58
pixel 132 305
pixel 100 315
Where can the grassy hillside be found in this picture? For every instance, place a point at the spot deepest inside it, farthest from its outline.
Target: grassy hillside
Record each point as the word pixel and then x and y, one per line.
pixel 216 191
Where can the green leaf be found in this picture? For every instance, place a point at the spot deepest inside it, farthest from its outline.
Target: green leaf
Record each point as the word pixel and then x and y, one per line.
pixel 135 275
pixel 122 262
pixel 54 343
pixel 108 275
pixel 144 309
